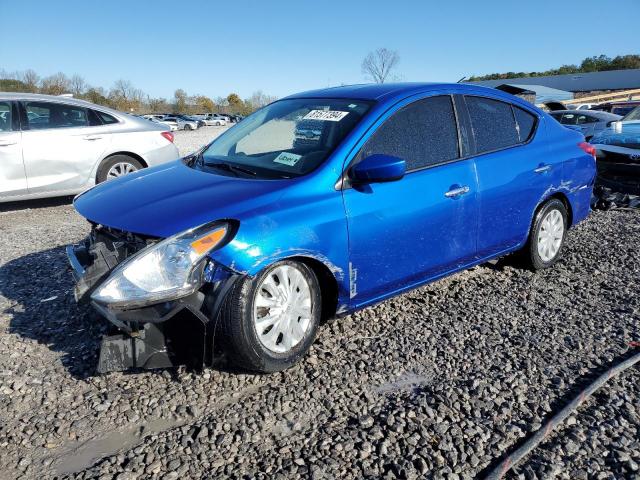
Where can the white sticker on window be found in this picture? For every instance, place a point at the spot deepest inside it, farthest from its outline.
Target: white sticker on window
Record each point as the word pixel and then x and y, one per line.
pixel 326 115
pixel 287 158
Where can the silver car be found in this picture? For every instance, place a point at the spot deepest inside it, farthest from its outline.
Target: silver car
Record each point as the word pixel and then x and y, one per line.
pixel 589 122
pixel 54 146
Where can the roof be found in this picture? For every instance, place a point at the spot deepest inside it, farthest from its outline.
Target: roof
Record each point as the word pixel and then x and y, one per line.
pixel 576 82
pixel 384 91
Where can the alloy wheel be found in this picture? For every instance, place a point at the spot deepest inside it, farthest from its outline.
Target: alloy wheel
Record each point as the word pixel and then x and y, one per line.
pixel 119 169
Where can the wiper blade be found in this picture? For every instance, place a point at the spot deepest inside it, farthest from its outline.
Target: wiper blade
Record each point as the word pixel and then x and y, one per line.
pixel 230 168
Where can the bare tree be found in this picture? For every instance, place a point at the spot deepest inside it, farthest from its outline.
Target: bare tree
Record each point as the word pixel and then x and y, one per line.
pixel 180 98
pixel 31 79
pixel 378 64
pixel 77 85
pixel 259 99
pixel 55 84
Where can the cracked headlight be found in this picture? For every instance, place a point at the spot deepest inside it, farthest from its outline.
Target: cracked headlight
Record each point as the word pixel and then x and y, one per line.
pixel 168 270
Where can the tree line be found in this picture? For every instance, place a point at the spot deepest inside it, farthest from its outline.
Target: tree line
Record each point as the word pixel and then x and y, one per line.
pixel 598 63
pixel 124 96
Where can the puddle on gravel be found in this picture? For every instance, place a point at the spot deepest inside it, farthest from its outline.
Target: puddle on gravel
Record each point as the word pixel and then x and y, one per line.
pixel 91 451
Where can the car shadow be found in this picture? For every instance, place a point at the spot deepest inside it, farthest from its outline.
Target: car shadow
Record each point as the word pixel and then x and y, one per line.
pixel 33 204
pixel 38 288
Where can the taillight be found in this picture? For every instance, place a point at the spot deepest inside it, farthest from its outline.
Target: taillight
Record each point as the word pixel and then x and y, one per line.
pixel 167 135
pixel 588 148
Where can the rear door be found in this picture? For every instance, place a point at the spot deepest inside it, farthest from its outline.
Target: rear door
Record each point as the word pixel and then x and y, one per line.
pixel 515 170
pixel 13 180
pixel 60 146
pixel 402 232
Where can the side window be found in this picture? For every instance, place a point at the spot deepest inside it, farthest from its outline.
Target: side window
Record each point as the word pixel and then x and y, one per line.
pixel 105 118
pixel 569 119
pixel 41 115
pixel 582 119
pixel 526 123
pixel 494 125
pixel 423 133
pixel 5 117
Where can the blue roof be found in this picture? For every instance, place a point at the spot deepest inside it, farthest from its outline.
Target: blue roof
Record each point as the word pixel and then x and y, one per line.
pixel 380 91
pixel 577 82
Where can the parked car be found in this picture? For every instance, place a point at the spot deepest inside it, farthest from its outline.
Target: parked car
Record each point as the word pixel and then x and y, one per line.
pixel 619 108
pixel 54 146
pixel 215 120
pixel 182 122
pixel 247 244
pixel 618 154
pixel 586 121
pixel 173 126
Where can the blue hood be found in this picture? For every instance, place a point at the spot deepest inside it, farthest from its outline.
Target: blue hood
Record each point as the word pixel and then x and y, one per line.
pixel 629 137
pixel 173 197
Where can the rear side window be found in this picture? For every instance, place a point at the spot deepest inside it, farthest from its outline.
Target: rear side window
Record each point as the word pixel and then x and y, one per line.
pixel 41 115
pixel 5 117
pixel 569 119
pixel 526 123
pixel 105 118
pixel 423 133
pixel 494 125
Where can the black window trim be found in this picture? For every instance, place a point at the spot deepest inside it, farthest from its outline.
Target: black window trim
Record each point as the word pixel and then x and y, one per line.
pixel 534 130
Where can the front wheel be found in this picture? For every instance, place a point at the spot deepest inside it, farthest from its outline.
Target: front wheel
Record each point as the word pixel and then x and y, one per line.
pixel 547 236
pixel 188 127
pixel 270 321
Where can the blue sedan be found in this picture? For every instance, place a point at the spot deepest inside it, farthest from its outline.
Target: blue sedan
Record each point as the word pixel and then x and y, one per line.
pixel 318 205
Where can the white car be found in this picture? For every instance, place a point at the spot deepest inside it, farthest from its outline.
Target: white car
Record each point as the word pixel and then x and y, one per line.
pixel 173 126
pixel 213 119
pixel 53 146
pixel 181 122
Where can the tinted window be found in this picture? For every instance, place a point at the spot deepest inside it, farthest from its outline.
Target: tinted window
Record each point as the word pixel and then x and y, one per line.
pixel 55 115
pixel 526 123
pixel 5 117
pixel 494 126
pixel 106 118
pixel 569 119
pixel 582 119
pixel 423 133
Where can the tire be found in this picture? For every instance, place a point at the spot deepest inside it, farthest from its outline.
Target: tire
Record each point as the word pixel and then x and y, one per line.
pixel 218 124
pixel 188 127
pixel 547 236
pixel 110 164
pixel 246 344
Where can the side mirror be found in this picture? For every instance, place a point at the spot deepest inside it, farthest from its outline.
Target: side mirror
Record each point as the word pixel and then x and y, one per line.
pixel 377 169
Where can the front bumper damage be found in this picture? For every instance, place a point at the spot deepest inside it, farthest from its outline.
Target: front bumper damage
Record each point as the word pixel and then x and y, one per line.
pixel 161 335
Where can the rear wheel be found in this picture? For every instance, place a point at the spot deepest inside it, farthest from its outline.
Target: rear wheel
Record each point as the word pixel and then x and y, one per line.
pixel 547 236
pixel 271 321
pixel 188 127
pixel 117 166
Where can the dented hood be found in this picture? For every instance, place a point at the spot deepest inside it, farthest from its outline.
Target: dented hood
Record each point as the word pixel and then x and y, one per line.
pixel 173 197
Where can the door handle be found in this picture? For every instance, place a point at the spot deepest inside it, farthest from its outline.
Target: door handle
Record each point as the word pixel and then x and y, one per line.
pixel 456 192
pixel 92 137
pixel 6 144
pixel 542 169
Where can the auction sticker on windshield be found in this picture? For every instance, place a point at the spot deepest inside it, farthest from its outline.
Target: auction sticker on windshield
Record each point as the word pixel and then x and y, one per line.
pixel 326 115
pixel 287 158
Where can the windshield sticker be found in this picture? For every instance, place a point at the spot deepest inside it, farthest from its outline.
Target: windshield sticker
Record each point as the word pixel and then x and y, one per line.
pixel 287 158
pixel 326 115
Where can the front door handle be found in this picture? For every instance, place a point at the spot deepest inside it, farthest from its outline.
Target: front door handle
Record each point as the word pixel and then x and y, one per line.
pixel 92 137
pixel 542 169
pixel 456 192
pixel 6 144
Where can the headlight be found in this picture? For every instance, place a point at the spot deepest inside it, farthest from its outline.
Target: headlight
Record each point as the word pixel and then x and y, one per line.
pixel 168 270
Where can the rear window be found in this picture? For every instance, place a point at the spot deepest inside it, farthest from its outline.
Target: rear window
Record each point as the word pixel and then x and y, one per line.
pixel 105 118
pixel 493 122
pixel 41 115
pixel 423 133
pixel 526 123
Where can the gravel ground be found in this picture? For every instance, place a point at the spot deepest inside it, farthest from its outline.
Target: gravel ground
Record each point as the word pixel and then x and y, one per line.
pixel 189 141
pixel 439 382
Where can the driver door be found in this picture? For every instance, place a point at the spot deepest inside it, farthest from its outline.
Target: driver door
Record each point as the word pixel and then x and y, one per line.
pixel 13 180
pixel 404 232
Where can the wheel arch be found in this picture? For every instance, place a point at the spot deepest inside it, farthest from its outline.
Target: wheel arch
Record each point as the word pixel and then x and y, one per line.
pixel 125 153
pixel 567 204
pixel 328 285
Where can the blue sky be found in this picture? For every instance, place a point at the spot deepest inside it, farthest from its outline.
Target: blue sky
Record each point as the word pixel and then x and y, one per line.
pixel 216 47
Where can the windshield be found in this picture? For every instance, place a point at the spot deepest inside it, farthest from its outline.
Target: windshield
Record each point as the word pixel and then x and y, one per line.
pixel 633 115
pixel 286 139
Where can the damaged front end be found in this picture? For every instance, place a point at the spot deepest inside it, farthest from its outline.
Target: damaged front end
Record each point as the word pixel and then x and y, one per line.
pixel 151 327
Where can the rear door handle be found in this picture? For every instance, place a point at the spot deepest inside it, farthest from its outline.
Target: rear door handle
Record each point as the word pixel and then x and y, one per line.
pixel 92 137
pixel 456 192
pixel 6 144
pixel 542 169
